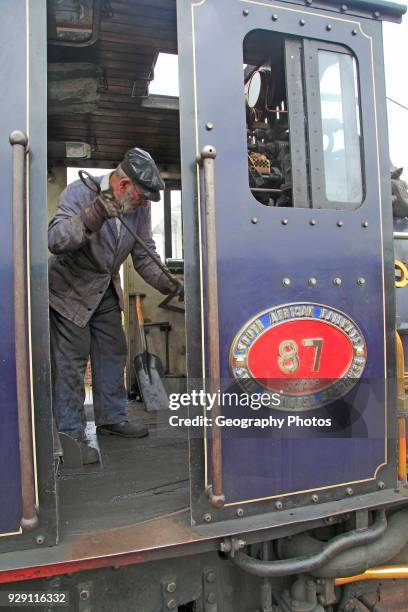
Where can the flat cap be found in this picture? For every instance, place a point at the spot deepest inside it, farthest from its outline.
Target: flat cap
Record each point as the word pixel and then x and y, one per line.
pixel 139 166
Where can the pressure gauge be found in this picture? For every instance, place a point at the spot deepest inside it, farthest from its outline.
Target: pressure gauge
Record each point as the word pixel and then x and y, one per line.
pixel 257 88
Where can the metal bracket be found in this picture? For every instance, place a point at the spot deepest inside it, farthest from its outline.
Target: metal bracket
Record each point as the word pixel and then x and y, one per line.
pixel 232 545
pixel 169 595
pixel 326 592
pixel 165 304
pixel 84 597
pixel 72 458
pixel 210 595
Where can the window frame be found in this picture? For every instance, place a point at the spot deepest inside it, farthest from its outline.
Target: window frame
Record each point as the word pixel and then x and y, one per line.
pixel 298 125
pixel 315 151
pixel 170 185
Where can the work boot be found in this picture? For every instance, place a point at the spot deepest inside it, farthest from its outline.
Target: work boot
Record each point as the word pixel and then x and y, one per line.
pixel 124 429
pixel 89 454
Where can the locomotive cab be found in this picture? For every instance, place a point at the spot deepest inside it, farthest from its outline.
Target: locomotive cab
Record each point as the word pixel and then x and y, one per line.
pixel 285 416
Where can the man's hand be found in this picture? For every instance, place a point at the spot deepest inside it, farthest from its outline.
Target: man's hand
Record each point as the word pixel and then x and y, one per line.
pixel 96 213
pixel 107 206
pixel 171 287
pixel 103 207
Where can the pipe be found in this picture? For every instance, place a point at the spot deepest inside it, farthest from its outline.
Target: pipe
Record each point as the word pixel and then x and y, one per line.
pixel 385 572
pixel 29 519
pixel 359 558
pixel 208 154
pixel 266 587
pixel 311 561
pixel 400 236
pixel 402 433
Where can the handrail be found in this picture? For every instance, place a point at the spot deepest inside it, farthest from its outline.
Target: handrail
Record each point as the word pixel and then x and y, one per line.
pixel 401 423
pixel 400 236
pixel 29 520
pixel 207 156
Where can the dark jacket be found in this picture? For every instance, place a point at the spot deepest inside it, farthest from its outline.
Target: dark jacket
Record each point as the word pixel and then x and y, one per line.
pixel 84 263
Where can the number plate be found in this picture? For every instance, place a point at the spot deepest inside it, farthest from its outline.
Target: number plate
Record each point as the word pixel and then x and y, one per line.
pixel 309 353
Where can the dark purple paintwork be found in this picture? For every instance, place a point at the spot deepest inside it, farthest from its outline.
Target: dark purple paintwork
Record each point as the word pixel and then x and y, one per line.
pixel 12 71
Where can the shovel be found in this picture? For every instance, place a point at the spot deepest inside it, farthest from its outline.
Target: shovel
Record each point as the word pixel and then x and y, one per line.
pixel 149 370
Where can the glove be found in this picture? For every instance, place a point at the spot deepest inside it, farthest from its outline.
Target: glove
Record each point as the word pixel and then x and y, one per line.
pixel 103 207
pixel 168 287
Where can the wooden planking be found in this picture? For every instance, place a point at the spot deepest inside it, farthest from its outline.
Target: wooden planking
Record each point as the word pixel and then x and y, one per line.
pixel 128 44
pixel 141 479
pixel 124 5
pixel 109 127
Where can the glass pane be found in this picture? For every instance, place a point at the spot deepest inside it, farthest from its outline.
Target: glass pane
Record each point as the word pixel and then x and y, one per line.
pixel 176 225
pixel 267 118
pixel 157 213
pixel 341 127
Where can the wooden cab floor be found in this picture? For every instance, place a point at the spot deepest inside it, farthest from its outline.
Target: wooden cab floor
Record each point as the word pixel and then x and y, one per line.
pixel 137 480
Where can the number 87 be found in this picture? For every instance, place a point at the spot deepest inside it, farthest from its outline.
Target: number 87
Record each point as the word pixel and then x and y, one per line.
pixel 288 360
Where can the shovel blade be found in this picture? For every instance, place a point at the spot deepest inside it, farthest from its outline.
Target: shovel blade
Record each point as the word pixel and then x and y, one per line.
pixel 150 380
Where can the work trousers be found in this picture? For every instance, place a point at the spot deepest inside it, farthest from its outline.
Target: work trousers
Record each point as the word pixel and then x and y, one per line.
pixel 104 341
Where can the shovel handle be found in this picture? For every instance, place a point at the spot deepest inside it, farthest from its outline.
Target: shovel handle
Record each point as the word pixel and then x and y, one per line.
pixel 139 311
pixel 140 320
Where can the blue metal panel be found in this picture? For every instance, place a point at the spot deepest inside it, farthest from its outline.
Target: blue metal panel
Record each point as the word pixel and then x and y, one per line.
pixel 13 116
pixel 253 258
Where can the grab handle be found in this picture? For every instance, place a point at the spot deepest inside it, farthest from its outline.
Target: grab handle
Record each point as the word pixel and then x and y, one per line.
pixel 207 157
pixel 29 519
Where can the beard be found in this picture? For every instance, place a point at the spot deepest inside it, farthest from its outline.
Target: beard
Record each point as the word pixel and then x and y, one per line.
pixel 125 203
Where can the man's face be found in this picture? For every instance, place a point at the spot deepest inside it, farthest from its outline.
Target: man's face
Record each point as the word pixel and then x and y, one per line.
pixel 127 194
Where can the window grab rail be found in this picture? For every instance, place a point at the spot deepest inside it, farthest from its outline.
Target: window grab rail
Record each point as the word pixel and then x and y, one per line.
pixel 206 158
pixel 29 519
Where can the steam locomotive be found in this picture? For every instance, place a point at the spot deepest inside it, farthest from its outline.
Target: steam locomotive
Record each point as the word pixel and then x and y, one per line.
pixel 287 491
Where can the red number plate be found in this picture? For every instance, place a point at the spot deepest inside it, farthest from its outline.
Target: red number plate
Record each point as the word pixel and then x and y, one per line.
pixel 299 349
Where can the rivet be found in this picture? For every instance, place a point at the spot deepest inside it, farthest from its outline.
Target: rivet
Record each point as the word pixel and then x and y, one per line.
pixel 172 604
pixel 312 281
pixel 40 539
pixel 377 14
pixel 354 32
pixel 274 17
pixel 207 517
pixel 211 598
pixel 302 22
pixel 171 587
pixel 254 220
pixel 284 221
pixel 245 12
pixel 364 224
pixel 381 485
pixel 315 498
pixel 337 281
pixel 349 491
pixel 339 223
pixel 211 577
pixel 328 27
pixel 361 281
pixel 84 595
pixel 209 126
pixel 278 505
pixel 344 8
pixel 240 512
pixel 286 282
pixel 312 222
